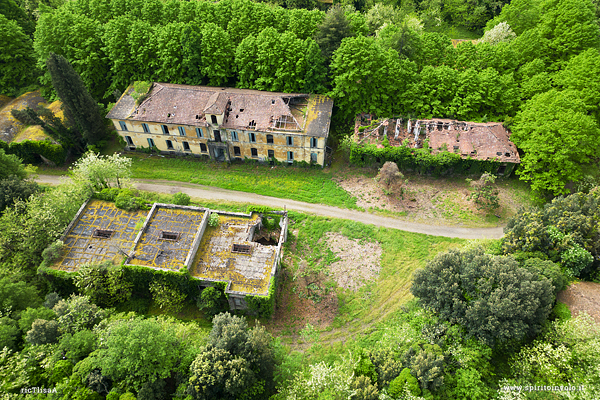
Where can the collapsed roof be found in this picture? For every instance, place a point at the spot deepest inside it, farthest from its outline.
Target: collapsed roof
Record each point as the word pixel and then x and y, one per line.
pixel 480 141
pixel 241 108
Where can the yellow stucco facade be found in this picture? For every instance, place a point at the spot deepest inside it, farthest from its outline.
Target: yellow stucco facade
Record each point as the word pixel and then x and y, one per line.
pixel 291 127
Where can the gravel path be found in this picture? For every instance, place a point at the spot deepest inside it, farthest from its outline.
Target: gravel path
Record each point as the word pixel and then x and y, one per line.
pixel 213 193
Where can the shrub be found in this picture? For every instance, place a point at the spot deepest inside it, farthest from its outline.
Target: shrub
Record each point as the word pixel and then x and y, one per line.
pixel 108 194
pixel 484 193
pixel 53 252
pixel 43 332
pixel 211 300
pixel 167 295
pixel 126 200
pixel 404 382
pixel 561 311
pixel 576 259
pixel 181 199
pixel 263 306
pixel 389 173
pixel 213 219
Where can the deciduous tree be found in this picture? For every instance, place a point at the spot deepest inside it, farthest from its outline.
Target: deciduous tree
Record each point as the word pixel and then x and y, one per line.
pixel 138 351
pixel 100 172
pixel 559 139
pixel 492 298
pixel 368 78
pixel 16 58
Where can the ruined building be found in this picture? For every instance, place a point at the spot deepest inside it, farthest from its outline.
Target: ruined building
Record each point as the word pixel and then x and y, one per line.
pixel 225 123
pixel 171 238
pixel 478 141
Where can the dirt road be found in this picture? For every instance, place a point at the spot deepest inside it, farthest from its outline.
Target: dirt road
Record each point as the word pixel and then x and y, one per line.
pixel 212 193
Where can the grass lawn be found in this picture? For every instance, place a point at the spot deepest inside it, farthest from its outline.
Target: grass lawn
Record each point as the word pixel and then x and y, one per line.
pixel 358 312
pixel 311 185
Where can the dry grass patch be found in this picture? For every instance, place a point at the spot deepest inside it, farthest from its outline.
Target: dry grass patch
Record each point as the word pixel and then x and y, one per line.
pixel 359 262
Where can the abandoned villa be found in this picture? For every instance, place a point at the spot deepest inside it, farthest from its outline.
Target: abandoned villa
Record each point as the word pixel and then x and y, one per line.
pixel 236 251
pixel 474 140
pixel 225 124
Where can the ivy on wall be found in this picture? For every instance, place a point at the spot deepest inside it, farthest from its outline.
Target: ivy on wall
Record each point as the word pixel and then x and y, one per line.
pixel 419 160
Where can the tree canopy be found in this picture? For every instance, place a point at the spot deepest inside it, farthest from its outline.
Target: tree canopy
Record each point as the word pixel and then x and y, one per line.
pixel 491 298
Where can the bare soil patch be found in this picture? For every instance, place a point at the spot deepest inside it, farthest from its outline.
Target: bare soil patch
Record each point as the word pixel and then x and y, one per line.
pixel 435 201
pixel 294 311
pixel 358 262
pixel 582 297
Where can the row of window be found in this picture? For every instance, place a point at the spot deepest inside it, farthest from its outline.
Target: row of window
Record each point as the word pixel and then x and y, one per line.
pixel 236 150
pixel 217 134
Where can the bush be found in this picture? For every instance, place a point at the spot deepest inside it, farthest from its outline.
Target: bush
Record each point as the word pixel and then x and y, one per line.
pixel 14 188
pixel 213 219
pixel 181 199
pixel 547 269
pixel 576 259
pixel 43 332
pixel 167 295
pixel 561 311
pixel 31 150
pixel 419 160
pixel 212 301
pixel 567 230
pixel 53 252
pixel 484 193
pixel 404 382
pixel 104 283
pixel 126 200
pixel 108 194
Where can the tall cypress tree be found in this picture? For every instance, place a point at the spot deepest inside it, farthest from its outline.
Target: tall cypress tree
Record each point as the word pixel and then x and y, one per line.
pixel 78 105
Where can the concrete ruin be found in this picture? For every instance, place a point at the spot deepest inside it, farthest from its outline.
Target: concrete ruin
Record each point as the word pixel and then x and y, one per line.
pixel 488 141
pixel 172 238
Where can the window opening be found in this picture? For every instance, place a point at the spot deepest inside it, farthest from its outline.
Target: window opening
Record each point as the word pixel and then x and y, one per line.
pixel 167 235
pixel 269 139
pixel 241 248
pixel 290 141
pixel 313 142
pixel 186 146
pixel 236 151
pixel 165 129
pixel 181 130
pixel 169 144
pixel 234 136
pixel 199 132
pixel 123 126
pixel 103 233
pixel 146 128
pixel 254 152
pixel 203 147
pixel 213 119
pixel 252 125
pixel 252 137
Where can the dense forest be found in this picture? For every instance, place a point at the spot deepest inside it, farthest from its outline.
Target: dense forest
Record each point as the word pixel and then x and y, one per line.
pixel 535 68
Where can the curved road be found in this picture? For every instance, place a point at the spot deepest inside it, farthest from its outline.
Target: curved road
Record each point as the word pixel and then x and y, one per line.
pixel 213 193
